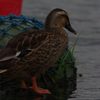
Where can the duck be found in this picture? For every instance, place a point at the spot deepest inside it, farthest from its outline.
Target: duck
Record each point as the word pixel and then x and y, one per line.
pixel 32 52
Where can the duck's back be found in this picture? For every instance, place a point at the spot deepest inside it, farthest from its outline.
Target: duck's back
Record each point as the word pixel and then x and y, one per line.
pixel 46 49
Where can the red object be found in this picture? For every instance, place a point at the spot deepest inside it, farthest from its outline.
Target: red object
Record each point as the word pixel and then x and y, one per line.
pixel 10 7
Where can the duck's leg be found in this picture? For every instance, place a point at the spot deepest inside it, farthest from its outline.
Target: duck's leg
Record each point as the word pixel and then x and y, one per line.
pixel 23 85
pixel 38 89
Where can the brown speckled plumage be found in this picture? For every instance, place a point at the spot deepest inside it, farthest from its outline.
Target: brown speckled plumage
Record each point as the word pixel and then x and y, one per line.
pixel 45 47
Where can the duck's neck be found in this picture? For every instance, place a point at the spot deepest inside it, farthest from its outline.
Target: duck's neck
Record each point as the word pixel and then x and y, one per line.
pixel 50 23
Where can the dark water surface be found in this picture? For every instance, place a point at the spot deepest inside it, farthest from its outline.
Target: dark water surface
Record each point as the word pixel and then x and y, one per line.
pixel 85 19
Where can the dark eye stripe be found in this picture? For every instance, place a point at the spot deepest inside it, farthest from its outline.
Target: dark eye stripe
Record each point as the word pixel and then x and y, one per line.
pixel 63 15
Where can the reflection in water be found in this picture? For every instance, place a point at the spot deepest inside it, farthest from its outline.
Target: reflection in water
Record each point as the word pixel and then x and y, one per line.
pixel 60 92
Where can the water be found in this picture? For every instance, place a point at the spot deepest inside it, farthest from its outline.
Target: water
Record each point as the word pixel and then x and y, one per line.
pixel 85 19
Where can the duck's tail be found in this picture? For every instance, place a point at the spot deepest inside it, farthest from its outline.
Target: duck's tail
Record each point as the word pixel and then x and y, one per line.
pixel 3 67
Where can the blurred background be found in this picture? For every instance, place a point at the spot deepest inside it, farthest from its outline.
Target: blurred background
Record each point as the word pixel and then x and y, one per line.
pixel 85 19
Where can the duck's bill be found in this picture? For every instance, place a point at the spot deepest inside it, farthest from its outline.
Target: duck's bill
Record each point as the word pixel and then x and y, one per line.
pixel 69 27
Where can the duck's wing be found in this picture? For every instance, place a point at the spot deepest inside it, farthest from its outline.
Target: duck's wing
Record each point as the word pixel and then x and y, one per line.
pixel 23 43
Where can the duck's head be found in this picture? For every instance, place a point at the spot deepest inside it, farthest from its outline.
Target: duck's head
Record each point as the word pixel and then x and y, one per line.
pixel 58 18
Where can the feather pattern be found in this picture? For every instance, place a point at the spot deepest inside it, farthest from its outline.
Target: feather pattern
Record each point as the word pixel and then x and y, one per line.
pixel 22 42
pixel 36 50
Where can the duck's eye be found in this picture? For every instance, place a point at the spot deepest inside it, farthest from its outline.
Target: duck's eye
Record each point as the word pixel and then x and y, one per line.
pixel 63 15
